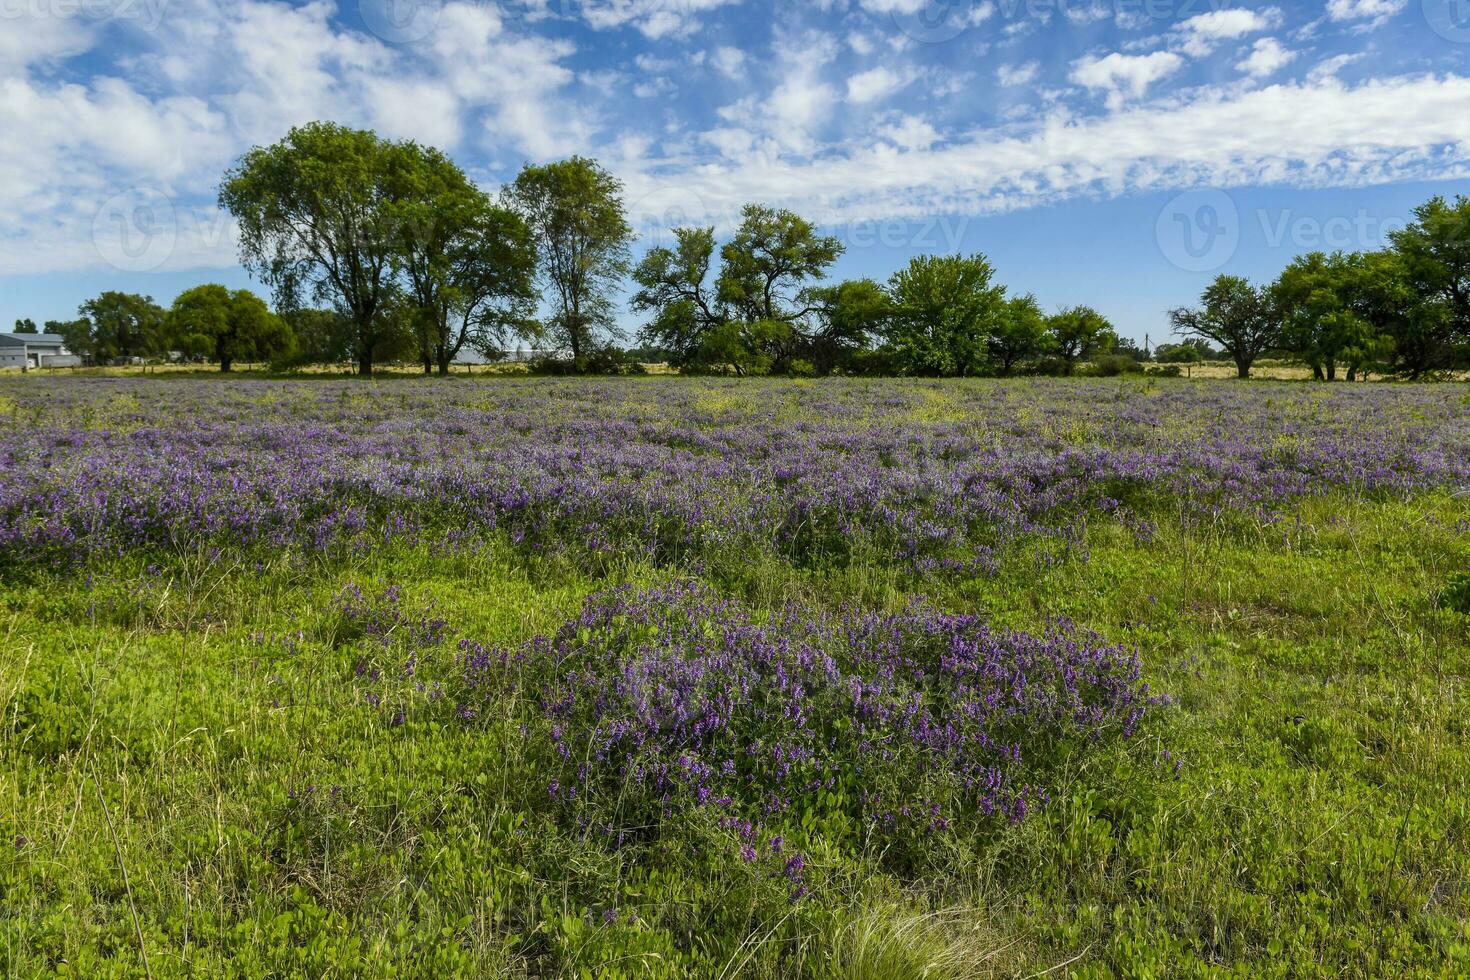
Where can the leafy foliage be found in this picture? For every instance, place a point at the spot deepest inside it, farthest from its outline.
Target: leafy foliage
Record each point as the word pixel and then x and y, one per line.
pixel 759 315
pixel 118 325
pixel 574 209
pixel 1079 333
pixel 227 326
pixel 944 311
pixel 469 265
pixel 1236 316
pixel 317 220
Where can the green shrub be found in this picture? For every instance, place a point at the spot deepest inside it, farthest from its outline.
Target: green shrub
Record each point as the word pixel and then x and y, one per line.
pixel 1456 593
pixel 1112 365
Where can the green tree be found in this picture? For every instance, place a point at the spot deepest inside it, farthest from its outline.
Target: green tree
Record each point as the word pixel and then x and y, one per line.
pixel 1234 315
pixel 1319 300
pixel 469 266
pixel 1127 347
pixel 845 318
pixel 1018 334
pixel 1191 351
pixel 227 326
pixel 316 220
pixel 1078 334
pixel 1435 254
pixel 321 337
pixel 1414 328
pixel 575 212
pixel 121 325
pixel 764 271
pixel 25 326
pixel 76 335
pixel 944 310
pixel 673 287
pixel 761 314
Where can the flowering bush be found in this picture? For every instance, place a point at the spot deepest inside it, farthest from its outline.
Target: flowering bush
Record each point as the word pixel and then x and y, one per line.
pixel 856 726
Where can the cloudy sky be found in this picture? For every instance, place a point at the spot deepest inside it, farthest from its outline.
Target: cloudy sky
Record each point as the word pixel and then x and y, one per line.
pixel 1118 152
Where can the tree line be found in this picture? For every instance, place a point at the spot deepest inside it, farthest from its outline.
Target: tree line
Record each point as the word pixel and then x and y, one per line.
pixel 1403 310
pixel 378 250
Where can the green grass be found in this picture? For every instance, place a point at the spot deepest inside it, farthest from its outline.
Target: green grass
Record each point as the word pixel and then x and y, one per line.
pixel 1301 810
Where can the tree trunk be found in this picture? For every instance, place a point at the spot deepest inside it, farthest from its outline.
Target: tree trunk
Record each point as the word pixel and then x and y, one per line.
pixel 1331 370
pixel 444 364
pixel 224 365
pixel 365 364
pixel 1317 374
pixel 1242 368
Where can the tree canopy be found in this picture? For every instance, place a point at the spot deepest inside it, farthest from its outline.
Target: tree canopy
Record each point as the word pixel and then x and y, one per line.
pixel 1236 316
pixel 945 308
pixel 317 217
pixel 1079 333
pixel 761 313
pixel 469 265
pixel 226 326
pixel 118 325
pixel 574 209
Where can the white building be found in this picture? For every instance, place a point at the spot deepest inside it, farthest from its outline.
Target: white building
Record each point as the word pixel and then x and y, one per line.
pixel 35 350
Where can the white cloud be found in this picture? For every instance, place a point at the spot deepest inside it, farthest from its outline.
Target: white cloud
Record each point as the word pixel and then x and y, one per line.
pixel 1374 11
pixel 1201 34
pixel 1267 57
pixel 30 37
pixel 653 18
pixel 728 61
pixel 874 84
pixel 975 14
pixel 909 133
pixel 798 104
pixel 730 141
pixel 259 68
pixel 1329 67
pixel 417 109
pixel 800 101
pixel 1010 75
pixel 1408 128
pixel 652 88
pixel 1121 76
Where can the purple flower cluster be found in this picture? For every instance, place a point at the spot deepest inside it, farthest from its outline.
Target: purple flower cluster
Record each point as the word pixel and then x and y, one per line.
pixel 941 475
pixel 670 700
pixel 382 619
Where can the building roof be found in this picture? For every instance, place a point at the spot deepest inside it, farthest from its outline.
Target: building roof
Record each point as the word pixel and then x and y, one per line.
pixel 25 339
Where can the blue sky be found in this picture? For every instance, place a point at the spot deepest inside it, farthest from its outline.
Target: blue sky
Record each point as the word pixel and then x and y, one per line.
pixel 1118 153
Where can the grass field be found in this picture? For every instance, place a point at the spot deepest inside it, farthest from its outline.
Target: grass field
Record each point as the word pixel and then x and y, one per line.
pixel 676 677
